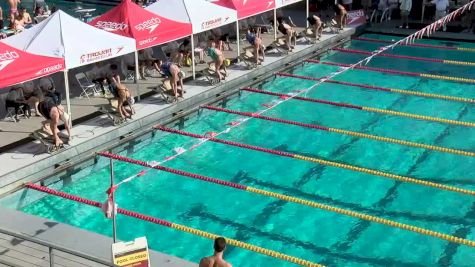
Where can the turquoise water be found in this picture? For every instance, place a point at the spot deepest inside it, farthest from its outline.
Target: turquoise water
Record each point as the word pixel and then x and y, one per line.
pixel 300 231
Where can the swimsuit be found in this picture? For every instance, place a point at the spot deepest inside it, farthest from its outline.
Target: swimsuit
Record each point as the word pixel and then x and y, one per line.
pixel 282 29
pixel 165 68
pixel 212 53
pixel 311 20
pixel 251 38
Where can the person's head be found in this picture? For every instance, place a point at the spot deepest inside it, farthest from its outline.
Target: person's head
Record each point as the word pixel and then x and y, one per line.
pixel 186 42
pixel 22 10
pixel 212 43
pixel 219 244
pixel 280 20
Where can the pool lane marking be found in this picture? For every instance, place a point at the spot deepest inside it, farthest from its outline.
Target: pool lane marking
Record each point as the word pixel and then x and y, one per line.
pixel 346 132
pixel 397 72
pixel 416 45
pixel 377 88
pixel 180 227
pixel 369 109
pixel 322 162
pixel 434 60
pixel 296 200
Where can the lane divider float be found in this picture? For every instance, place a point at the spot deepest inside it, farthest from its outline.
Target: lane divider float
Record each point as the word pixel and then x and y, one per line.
pixel 397 72
pixel 179 227
pixel 434 60
pixel 457 48
pixel 378 88
pixel 369 109
pixel 296 200
pixel 322 162
pixel 346 132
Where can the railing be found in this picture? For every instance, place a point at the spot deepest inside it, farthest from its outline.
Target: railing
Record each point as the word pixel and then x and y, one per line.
pixel 52 247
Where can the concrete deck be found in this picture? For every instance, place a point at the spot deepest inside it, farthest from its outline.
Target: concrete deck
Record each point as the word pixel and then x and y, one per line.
pixel 18 252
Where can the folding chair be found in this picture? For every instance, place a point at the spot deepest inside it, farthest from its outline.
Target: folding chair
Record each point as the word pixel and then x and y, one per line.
pixel 248 57
pixel 88 87
pixel 11 114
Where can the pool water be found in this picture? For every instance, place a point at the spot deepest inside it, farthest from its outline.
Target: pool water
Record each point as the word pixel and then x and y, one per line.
pixel 304 232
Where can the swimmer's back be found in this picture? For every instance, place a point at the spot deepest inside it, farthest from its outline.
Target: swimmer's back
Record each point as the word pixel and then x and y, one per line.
pixel 213 262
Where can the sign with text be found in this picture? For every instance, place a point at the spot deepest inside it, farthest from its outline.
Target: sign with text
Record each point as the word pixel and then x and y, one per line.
pixel 356 18
pixel 131 254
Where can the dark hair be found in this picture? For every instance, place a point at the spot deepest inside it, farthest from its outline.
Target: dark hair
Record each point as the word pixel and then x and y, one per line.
pixel 113 67
pixel 219 244
pixel 186 41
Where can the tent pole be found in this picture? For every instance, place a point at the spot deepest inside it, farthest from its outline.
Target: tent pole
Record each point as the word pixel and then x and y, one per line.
pixel 238 40
pixel 193 70
pixel 307 11
pixel 275 24
pixel 68 100
pixel 136 78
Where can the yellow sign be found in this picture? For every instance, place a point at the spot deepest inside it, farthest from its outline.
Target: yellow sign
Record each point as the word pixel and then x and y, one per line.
pixel 131 254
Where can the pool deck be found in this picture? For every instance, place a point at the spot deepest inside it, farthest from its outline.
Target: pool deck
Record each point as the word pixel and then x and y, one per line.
pixel 18 252
pixel 391 27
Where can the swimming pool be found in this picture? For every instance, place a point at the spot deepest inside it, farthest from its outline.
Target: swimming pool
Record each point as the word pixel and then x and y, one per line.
pixel 297 230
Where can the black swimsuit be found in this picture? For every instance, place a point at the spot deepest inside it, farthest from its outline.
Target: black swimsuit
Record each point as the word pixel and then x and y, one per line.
pixel 311 20
pixel 282 29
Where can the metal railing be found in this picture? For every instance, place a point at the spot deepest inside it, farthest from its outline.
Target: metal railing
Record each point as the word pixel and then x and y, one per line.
pixel 52 247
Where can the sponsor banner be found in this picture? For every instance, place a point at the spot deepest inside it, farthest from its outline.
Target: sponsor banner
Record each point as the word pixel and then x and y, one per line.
pixel 356 18
pixel 214 23
pixel 99 55
pixel 147 41
pixel 134 253
pixel 111 26
pixel 51 69
pixel 7 57
pixel 149 25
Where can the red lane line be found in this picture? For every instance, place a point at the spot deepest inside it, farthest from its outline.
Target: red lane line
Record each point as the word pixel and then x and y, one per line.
pixel 346 105
pixel 334 81
pixel 413 44
pixel 415 74
pixel 248 114
pixel 174 171
pixel 353 51
pixel 231 143
pixel 97 204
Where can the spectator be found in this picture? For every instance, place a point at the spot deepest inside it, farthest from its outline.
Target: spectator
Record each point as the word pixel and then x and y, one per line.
pixel 25 16
pixel 441 10
pixel 39 6
pixel 13 8
pixel 184 53
pixel 392 4
pixel 406 6
pixel 15 99
pixel 18 24
pixel 217 260
pixel 33 98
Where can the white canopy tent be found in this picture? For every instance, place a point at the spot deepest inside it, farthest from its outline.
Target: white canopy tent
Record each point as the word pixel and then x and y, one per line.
pixel 77 42
pixel 202 14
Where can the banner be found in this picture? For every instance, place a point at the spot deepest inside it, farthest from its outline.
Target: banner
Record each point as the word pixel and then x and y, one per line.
pixel 131 254
pixel 356 18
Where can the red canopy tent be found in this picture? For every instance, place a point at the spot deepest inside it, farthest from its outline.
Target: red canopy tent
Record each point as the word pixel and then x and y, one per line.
pixel 147 28
pixel 18 66
pixel 247 8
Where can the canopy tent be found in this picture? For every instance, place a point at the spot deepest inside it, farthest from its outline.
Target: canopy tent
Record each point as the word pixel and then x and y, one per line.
pixel 147 28
pixel 77 42
pixel 282 3
pixel 202 14
pixel 17 66
pixel 248 8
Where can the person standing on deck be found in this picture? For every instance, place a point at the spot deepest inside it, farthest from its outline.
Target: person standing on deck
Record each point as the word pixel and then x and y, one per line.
pixel 406 6
pixel 217 259
pixel 440 9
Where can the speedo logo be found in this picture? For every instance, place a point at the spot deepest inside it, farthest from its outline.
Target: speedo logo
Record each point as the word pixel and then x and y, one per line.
pixel 7 58
pixel 150 25
pixel 50 69
pixel 111 26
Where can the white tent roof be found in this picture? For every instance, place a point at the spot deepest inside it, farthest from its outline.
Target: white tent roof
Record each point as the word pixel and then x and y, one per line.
pixel 77 42
pixel 281 3
pixel 203 14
